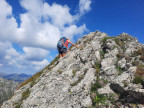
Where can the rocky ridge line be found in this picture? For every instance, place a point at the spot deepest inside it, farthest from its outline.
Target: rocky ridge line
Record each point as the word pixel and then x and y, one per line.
pixel 105 71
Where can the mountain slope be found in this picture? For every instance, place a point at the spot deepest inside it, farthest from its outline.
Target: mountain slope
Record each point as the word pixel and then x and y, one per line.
pixel 7 89
pixel 105 71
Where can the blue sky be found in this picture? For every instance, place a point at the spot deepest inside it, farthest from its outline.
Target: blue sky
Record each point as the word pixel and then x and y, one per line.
pixel 30 29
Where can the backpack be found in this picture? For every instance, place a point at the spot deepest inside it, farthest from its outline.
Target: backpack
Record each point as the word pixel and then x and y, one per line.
pixel 61 42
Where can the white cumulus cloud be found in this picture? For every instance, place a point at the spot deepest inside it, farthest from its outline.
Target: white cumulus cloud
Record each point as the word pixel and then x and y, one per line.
pixel 39 65
pixel 32 58
pixel 40 27
pixel 84 6
pixel 35 54
pixel 8 24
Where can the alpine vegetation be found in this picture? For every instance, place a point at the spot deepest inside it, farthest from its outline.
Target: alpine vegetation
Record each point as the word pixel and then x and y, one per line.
pixel 104 72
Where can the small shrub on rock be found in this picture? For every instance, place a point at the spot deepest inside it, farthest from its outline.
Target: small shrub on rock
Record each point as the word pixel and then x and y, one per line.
pixel 119 70
pixel 140 52
pixel 97 66
pixel 102 53
pixel 74 73
pixel 99 99
pixel 95 86
pixel 105 39
pixel 105 81
pixel 120 42
pixel 137 80
pixel 139 75
pixel 25 94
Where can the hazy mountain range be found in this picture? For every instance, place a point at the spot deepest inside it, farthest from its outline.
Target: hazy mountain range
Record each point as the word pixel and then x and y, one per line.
pixel 16 77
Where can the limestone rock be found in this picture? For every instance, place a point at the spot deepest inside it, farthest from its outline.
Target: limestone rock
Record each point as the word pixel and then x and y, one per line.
pixel 103 61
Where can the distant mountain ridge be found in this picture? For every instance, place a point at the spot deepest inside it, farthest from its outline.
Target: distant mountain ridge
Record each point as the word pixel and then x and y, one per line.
pixel 16 77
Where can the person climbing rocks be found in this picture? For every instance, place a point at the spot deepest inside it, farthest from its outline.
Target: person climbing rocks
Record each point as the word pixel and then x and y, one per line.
pixel 62 46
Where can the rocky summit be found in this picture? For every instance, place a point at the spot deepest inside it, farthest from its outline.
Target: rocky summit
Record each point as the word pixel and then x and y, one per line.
pixel 104 72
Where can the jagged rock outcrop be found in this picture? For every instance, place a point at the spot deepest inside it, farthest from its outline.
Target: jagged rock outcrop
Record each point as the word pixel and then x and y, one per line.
pixel 105 71
pixel 7 88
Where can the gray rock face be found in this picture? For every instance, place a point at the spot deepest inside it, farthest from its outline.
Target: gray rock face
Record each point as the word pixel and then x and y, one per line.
pixel 7 89
pixel 67 83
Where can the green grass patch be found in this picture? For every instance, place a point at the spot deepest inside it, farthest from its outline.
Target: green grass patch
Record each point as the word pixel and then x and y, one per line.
pixel 33 83
pixel 114 47
pixel 102 53
pixel 78 81
pixel 99 99
pixel 95 86
pixel 25 94
pixel 97 66
pixel 105 81
pixel 119 70
pixel 120 43
pixel 17 106
pixel 105 39
pixel 74 73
